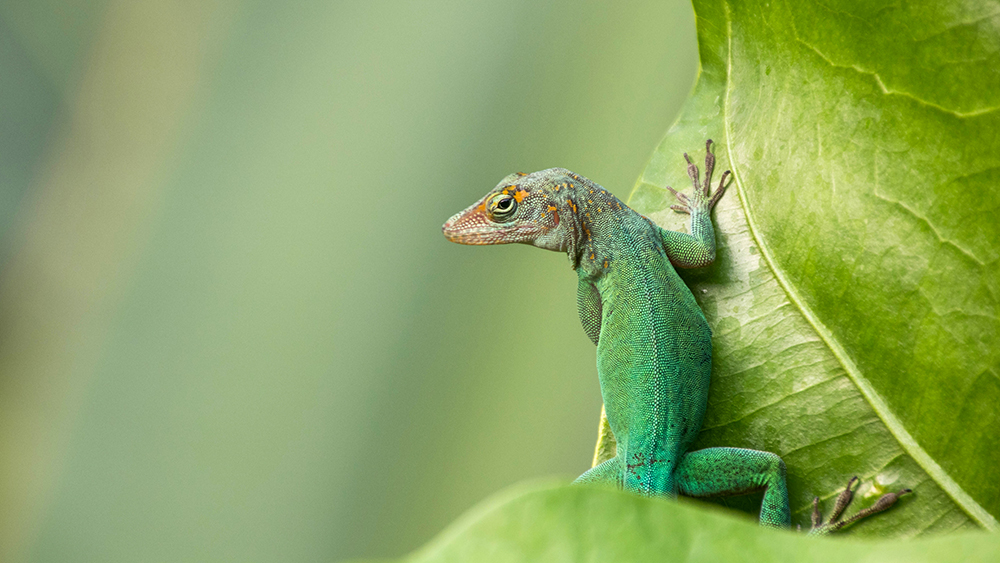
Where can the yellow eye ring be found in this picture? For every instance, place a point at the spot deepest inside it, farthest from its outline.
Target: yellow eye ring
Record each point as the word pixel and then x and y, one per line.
pixel 501 207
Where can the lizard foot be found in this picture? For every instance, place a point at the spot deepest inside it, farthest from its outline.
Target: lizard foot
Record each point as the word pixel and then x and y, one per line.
pixel 843 501
pixel 700 198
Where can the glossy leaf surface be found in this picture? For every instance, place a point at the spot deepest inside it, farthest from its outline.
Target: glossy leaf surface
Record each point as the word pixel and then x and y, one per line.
pixel 854 302
pixel 854 299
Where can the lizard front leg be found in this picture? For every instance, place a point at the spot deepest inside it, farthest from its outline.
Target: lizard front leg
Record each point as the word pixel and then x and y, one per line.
pixel 588 305
pixel 697 249
pixel 588 302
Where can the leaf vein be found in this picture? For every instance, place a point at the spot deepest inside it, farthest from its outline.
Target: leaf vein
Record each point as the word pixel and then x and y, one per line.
pixel 784 398
pixel 891 92
pixel 930 226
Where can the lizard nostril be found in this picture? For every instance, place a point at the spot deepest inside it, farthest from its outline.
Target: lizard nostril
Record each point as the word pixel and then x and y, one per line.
pixel 450 223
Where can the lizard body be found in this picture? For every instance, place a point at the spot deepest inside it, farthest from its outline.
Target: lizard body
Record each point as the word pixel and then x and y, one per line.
pixel 654 345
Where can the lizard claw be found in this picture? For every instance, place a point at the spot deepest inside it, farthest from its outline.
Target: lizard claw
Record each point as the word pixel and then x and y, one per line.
pixel 843 501
pixel 683 198
pixel 701 198
pixel 719 191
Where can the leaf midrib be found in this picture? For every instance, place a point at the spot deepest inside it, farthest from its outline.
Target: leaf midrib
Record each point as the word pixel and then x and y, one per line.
pixel 893 424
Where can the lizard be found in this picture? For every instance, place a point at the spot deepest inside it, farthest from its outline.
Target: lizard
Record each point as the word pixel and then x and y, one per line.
pixel 654 344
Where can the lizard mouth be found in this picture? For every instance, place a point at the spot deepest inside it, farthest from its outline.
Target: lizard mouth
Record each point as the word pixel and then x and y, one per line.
pixel 471 238
pixel 474 228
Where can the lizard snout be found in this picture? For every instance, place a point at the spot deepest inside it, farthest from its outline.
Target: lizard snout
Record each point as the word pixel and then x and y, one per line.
pixel 467 227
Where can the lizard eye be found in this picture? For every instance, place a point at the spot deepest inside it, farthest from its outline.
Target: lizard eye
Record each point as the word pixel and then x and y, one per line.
pixel 501 207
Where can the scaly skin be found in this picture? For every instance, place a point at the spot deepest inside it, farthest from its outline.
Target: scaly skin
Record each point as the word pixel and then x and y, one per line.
pixel 654 346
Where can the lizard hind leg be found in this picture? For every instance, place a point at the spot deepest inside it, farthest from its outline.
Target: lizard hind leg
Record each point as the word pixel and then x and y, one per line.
pixel 605 473
pixel 736 471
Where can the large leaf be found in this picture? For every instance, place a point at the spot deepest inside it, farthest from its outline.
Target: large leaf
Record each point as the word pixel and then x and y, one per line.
pixel 855 299
pixel 574 524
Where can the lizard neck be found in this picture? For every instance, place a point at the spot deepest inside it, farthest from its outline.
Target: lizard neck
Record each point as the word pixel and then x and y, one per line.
pixel 601 220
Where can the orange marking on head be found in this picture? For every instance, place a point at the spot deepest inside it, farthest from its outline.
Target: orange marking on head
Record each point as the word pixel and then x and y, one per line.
pixel 605 263
pixel 522 173
pixel 482 207
pixel 552 208
pixel 591 255
pixel 520 195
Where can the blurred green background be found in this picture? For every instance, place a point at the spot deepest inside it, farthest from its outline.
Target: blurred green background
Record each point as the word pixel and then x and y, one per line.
pixel 230 328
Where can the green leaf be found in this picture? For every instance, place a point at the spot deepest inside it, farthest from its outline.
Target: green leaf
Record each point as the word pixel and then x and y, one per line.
pixel 855 300
pixel 574 524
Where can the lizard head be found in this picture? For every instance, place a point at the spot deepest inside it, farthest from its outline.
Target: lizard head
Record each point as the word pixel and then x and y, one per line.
pixel 523 208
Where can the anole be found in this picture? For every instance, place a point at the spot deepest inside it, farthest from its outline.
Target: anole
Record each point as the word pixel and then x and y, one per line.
pixel 654 345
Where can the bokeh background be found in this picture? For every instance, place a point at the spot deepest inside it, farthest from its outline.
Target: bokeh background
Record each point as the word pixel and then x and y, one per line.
pixel 230 329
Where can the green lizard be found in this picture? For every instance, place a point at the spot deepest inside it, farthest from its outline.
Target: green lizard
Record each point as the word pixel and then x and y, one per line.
pixel 654 346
